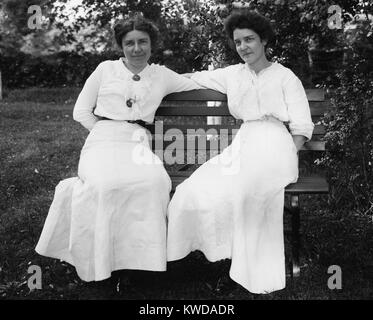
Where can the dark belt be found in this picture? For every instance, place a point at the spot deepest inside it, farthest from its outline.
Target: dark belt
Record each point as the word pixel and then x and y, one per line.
pixel 139 122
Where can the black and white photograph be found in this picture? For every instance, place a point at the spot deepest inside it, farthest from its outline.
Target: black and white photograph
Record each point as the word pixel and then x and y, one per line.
pixel 205 151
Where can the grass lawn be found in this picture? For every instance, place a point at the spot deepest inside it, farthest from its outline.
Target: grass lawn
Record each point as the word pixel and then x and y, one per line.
pixel 40 145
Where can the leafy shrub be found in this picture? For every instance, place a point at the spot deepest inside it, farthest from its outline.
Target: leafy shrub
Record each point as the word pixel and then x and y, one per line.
pixel 56 70
pixel 349 123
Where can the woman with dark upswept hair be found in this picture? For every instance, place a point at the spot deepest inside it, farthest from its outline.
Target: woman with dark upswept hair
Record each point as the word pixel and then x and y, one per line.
pixel 113 215
pixel 232 206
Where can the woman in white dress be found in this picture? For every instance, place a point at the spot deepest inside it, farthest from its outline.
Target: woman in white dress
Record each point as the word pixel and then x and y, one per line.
pixel 232 206
pixel 113 215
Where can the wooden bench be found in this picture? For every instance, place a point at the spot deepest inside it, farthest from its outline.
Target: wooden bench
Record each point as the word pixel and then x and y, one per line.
pixel 188 110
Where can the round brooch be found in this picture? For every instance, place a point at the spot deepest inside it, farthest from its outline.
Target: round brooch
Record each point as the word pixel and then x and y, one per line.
pixel 129 103
pixel 136 77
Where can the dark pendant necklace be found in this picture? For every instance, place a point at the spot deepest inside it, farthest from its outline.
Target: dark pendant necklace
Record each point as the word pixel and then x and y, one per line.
pixel 136 77
pixel 129 103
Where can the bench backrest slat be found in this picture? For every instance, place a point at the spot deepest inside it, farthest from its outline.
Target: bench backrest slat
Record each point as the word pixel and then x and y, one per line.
pixel 212 95
pixel 317 109
pixel 200 142
pixel 318 130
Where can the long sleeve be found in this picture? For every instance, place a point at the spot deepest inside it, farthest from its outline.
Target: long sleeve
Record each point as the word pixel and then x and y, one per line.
pixel 176 82
pixel 86 102
pixel 215 79
pixel 300 121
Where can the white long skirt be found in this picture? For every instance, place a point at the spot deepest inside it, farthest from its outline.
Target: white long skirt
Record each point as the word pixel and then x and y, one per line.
pixel 113 215
pixel 232 206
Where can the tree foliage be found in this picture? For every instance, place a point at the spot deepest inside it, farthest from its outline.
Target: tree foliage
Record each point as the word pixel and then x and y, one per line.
pixel 14 23
pixel 193 29
pixel 349 123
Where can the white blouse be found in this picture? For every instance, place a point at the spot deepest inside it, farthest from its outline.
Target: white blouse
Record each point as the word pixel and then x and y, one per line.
pixel 275 91
pixel 110 86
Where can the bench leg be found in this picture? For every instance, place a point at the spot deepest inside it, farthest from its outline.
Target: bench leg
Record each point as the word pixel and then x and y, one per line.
pixel 295 235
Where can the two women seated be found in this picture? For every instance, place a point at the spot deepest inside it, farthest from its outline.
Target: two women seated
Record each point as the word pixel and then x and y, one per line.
pixel 117 213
